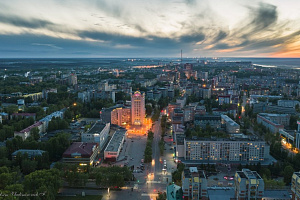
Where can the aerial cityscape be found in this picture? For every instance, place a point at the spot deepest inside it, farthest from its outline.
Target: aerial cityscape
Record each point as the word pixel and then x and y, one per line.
pixel 160 100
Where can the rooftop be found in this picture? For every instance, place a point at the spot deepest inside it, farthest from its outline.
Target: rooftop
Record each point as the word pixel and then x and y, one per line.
pixel 97 127
pixel 81 149
pixel 277 194
pixel 116 140
pixel 30 152
pixel 220 193
pixel 37 124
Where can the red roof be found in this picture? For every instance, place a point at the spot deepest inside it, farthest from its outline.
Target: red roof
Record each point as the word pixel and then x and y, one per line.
pixel 31 127
pixel 82 148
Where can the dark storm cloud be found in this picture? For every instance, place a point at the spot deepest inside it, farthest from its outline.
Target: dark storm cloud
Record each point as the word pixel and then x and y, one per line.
pixel 197 37
pixel 145 42
pixel 23 22
pixel 221 35
pixel 265 15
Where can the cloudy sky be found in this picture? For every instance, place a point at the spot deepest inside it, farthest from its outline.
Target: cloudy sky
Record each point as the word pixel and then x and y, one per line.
pixel 156 28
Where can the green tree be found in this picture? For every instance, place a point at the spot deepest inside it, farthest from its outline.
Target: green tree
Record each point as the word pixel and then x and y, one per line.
pixel 43 181
pixel 287 174
pixel 35 133
pixel 28 166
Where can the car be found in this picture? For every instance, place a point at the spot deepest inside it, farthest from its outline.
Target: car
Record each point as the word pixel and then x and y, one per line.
pixel 165 162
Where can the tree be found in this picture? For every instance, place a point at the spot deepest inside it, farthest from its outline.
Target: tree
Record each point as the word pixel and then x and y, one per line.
pixel 43 181
pixel 148 110
pixel 35 133
pixel 287 174
pixel 28 166
pixel 11 109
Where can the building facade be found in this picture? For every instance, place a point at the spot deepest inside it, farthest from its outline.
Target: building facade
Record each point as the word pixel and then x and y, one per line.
pixel 120 116
pixel 114 146
pixel 97 134
pixel 248 185
pixel 225 150
pixel 194 184
pixel 137 108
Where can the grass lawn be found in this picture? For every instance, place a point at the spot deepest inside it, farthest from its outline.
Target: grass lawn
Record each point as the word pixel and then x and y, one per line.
pixel 94 197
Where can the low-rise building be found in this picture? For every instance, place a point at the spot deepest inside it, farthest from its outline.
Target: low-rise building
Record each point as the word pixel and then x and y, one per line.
pixel 81 153
pixel 213 120
pixel 114 146
pixel 272 121
pixel 25 133
pixel 231 126
pixel 98 133
pixel 31 153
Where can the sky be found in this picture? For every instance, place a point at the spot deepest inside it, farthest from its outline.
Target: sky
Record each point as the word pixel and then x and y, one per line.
pixel 156 28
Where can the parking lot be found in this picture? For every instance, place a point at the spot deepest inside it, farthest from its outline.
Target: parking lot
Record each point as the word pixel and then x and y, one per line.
pixel 132 154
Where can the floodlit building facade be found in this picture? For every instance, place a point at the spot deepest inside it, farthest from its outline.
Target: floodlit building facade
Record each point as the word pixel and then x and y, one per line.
pixel 137 108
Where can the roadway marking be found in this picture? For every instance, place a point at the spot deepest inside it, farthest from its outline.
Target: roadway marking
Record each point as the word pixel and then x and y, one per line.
pixel 153 181
pixel 147 195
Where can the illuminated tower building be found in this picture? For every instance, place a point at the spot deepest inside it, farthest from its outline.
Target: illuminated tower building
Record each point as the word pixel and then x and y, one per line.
pixel 137 108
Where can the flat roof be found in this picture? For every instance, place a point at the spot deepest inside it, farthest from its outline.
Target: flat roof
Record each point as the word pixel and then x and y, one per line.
pixel 97 128
pixel 277 194
pixel 116 141
pixel 220 193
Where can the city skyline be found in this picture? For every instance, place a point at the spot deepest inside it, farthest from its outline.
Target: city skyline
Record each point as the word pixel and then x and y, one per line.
pixel 102 28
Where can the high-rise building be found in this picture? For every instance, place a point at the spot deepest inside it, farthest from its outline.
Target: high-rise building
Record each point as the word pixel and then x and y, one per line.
pixel 194 184
pixel 248 185
pixel 137 108
pixel 72 79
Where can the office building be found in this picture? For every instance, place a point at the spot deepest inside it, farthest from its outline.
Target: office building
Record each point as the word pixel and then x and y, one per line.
pixel 98 133
pixel 81 153
pixel 248 185
pixel 137 108
pixel 114 146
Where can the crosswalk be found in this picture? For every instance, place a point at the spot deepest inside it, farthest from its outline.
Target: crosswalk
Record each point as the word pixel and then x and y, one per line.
pixel 147 195
pixel 153 181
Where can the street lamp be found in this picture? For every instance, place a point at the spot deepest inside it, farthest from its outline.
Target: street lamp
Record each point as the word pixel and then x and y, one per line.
pixel 108 192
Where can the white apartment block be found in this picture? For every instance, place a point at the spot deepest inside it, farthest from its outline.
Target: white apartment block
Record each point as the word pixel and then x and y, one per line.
pixel 225 150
